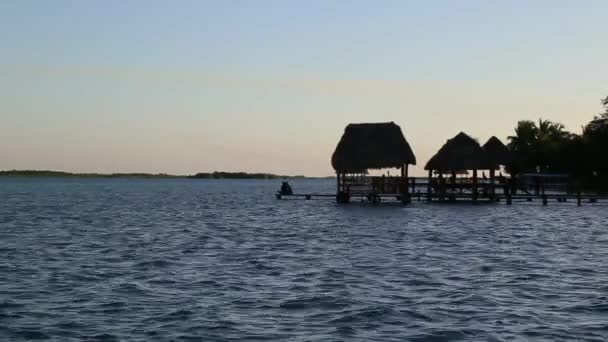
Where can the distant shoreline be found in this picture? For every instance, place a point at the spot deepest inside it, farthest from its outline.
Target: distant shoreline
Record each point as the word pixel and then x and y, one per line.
pixel 202 175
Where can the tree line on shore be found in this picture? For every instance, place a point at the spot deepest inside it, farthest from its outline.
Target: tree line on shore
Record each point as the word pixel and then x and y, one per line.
pixel 547 147
pixel 241 175
pixel 60 174
pixel 204 175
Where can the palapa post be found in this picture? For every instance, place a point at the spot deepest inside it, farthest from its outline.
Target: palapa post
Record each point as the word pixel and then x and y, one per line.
pixel 429 186
pixel 475 188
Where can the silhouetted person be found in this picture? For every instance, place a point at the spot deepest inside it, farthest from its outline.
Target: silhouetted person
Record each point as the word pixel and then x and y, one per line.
pixel 286 189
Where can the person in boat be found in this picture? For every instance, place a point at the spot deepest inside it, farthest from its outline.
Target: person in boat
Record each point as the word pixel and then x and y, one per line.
pixel 286 189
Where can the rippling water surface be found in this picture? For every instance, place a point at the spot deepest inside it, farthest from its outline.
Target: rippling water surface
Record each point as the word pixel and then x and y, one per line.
pixel 202 260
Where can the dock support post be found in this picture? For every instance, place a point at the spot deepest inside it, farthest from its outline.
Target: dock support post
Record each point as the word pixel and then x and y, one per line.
pixel 441 182
pixel 542 192
pixel 542 187
pixel 453 186
pixel 475 185
pixel 492 185
pixel 578 198
pixel 407 177
pixel 338 182
pixel 403 185
pixel 342 195
pixel 429 186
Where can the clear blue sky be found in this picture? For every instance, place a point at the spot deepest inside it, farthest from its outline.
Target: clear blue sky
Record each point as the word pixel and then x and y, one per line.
pixel 188 86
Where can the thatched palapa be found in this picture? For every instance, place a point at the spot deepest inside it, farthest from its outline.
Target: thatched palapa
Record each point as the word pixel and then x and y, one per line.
pixel 497 152
pixel 460 153
pixel 371 146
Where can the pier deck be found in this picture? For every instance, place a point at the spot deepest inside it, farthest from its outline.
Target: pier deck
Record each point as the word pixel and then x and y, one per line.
pixel 487 191
pixel 461 197
pixel 304 196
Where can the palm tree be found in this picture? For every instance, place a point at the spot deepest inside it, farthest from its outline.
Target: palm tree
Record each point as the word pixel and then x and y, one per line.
pixel 595 134
pixel 553 140
pixel 524 145
pixel 526 133
pixel 537 146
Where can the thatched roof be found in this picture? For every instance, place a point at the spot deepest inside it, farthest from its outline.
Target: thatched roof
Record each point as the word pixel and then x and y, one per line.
pixel 497 151
pixel 371 146
pixel 460 153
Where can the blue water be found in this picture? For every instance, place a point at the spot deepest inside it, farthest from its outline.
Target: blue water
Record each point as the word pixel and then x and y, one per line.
pixel 202 260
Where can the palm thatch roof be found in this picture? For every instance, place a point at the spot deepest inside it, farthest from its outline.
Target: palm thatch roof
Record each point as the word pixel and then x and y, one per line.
pixel 460 153
pixel 497 151
pixel 371 146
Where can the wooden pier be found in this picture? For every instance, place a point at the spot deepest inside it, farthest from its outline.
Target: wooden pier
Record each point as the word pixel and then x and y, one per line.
pixel 460 198
pixel 310 196
pixel 418 190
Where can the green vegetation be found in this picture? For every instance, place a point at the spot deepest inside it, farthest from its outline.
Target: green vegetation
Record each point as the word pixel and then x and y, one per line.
pixel 546 147
pixel 214 175
pixel 49 173
pixel 241 175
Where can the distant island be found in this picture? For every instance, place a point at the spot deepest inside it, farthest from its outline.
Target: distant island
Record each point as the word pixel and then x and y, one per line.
pixel 242 175
pixel 202 175
pixel 50 173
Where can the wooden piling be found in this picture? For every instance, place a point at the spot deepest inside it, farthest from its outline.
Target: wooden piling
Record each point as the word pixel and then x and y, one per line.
pixel 475 185
pixel 441 182
pixel 338 181
pixel 403 185
pixel 492 185
pixel 429 186
pixel 542 187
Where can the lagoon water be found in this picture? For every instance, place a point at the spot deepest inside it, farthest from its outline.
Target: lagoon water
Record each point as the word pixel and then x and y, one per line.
pixel 218 260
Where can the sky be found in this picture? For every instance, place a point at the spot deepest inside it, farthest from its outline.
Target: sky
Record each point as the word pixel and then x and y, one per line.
pixel 268 86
